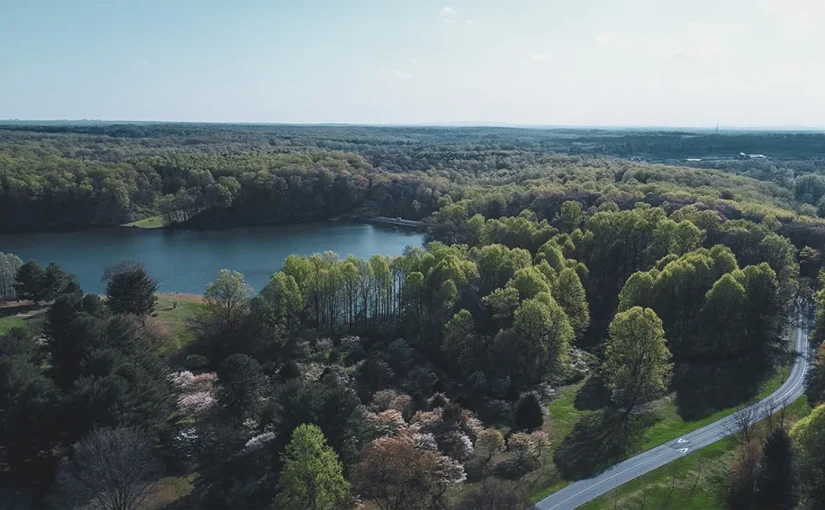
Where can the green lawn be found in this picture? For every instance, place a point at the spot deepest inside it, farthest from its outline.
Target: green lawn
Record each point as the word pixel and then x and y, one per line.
pixel 692 482
pixel 174 319
pixel 7 323
pixel 150 222
pixel 665 424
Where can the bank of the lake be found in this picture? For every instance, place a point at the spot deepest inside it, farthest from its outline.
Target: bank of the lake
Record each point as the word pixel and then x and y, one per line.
pixel 186 260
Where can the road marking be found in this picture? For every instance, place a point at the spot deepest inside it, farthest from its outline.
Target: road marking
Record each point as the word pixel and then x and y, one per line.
pixel 802 344
pixel 610 478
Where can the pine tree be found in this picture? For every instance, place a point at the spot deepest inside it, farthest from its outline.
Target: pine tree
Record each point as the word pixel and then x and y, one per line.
pixel 29 282
pixel 529 415
pixel 312 477
pixel 130 289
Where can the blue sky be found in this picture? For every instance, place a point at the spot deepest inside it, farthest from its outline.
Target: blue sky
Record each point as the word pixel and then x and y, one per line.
pixel 551 62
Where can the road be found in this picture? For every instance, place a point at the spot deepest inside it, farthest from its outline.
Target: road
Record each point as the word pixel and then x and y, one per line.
pixel 583 491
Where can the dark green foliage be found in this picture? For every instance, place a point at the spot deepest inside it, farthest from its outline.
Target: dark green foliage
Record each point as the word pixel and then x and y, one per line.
pixel 130 289
pixel 776 485
pixel 29 282
pixel 28 405
pixel 529 415
pixel 242 387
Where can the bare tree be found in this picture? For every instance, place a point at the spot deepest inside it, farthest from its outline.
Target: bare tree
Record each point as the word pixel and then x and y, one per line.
pixel 110 469
pixel 742 424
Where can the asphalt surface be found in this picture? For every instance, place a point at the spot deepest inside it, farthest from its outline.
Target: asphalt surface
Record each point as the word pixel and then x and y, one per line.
pixel 585 490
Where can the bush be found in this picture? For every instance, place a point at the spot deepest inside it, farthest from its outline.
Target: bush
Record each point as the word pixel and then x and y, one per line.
pixel 529 415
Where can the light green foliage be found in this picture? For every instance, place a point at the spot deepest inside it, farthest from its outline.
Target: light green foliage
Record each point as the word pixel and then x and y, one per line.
pixel 529 282
pixel 570 295
pixel 637 363
pixel 312 477
pixel 9 264
pixel 808 437
pixel 708 305
pixel 538 340
pixel 227 298
pixel 285 297
pixel 638 290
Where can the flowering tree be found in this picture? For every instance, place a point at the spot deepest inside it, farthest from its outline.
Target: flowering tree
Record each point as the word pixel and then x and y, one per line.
pixel 397 475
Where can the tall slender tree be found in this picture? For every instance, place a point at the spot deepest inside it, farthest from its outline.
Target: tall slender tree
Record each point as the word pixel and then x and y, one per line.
pixel 312 477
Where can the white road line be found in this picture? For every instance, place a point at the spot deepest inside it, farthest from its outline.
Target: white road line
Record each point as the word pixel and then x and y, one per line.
pixel 800 365
pixel 610 478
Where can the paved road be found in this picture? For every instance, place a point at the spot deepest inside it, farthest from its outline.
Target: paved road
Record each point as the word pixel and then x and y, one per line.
pixel 583 491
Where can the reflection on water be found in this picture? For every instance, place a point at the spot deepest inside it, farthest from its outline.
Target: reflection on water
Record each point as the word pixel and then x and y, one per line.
pixel 185 261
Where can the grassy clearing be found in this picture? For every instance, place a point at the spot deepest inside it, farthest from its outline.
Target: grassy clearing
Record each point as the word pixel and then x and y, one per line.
pixel 148 223
pixel 172 315
pixel 694 481
pixel 670 425
pixel 169 490
pixel 7 323
pixel 665 425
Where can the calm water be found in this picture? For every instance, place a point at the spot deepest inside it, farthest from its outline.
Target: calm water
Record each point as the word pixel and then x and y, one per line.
pixel 185 261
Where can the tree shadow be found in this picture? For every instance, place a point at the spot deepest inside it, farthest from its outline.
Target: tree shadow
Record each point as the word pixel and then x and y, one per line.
pixel 599 440
pixel 703 388
pixel 593 395
pixel 23 307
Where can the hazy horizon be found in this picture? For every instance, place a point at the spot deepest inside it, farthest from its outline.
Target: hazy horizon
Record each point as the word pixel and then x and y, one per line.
pixel 748 64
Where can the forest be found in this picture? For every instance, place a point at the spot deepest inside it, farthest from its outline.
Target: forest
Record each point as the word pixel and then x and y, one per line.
pixel 570 308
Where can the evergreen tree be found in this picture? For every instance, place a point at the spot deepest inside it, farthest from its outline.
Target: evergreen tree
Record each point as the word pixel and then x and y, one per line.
pixel 29 282
pixel 130 289
pixel 312 477
pixel 529 415
pixel 776 485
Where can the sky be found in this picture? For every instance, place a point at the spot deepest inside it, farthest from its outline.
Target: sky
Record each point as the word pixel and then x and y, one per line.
pixel 742 63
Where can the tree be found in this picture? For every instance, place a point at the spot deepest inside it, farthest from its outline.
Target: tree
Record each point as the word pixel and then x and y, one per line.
pixel 538 341
pixel 29 282
pixel 54 282
pixel 398 476
pixel 114 469
pixel 242 387
pixel 227 298
pixel 488 443
pixel 495 495
pixel 312 477
pixel 28 400
pixel 9 264
pixel 529 415
pixel 776 485
pixel 808 437
pixel 637 362
pixel 130 289
pixel 743 474
pixel 569 293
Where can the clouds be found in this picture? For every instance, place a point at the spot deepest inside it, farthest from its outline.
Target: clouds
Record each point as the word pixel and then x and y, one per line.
pixel 448 11
pixel 540 56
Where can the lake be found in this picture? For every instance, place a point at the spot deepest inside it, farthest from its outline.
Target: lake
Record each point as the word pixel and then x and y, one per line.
pixel 186 260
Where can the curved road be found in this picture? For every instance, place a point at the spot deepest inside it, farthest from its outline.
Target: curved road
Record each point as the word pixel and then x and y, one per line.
pixel 585 490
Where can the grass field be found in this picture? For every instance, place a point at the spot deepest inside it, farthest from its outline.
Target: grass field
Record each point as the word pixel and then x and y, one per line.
pixel 148 223
pixel 7 323
pixel 696 481
pixel 663 423
pixel 173 319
